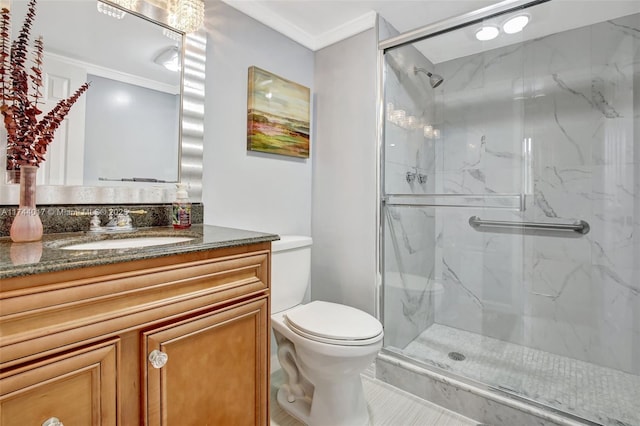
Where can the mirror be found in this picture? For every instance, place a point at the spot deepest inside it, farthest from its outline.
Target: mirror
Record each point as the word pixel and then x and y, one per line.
pixel 126 131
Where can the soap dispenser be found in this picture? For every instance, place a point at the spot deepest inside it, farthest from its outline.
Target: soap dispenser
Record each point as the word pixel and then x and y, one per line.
pixel 181 215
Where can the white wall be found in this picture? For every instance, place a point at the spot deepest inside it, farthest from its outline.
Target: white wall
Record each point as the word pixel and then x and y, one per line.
pixel 343 264
pixel 244 189
pixel 274 193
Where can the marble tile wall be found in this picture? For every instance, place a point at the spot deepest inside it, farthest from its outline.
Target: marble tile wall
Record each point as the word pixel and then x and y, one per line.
pixel 409 253
pixel 556 119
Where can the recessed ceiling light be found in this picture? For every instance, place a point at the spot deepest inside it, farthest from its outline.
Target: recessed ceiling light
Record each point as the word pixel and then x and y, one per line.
pixel 487 33
pixel 515 24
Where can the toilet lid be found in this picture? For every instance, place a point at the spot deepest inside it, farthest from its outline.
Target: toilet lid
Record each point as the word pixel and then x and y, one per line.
pixel 332 321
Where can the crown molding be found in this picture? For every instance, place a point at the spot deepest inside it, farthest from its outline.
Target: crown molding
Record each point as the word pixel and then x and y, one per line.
pixel 346 30
pixel 258 11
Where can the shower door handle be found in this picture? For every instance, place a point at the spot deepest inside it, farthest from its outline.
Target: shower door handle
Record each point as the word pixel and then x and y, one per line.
pixel 581 227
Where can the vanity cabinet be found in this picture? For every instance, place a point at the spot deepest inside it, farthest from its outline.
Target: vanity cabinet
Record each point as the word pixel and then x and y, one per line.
pixel 172 340
pixel 79 387
pixel 213 361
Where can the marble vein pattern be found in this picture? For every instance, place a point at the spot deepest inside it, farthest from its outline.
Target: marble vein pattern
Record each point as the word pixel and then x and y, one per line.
pixel 409 293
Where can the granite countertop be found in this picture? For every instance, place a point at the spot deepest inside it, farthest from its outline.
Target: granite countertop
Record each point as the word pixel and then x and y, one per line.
pixel 19 259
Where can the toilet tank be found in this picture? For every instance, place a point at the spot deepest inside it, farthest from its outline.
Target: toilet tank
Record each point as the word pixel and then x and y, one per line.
pixel 290 271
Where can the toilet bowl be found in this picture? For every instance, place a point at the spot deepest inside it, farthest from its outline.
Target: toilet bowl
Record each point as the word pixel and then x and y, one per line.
pixel 322 347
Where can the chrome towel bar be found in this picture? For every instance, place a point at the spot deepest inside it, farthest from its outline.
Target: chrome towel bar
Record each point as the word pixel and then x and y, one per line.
pixel 581 227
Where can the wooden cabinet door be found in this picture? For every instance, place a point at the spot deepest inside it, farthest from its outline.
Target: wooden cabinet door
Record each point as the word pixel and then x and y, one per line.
pixel 78 388
pixel 216 372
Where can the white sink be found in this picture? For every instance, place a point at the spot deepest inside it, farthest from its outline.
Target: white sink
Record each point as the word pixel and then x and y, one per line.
pixel 125 243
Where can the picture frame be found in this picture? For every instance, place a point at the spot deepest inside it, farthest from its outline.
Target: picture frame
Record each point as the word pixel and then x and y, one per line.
pixel 278 115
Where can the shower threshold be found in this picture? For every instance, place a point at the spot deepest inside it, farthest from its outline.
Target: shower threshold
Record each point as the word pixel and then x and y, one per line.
pixel 598 394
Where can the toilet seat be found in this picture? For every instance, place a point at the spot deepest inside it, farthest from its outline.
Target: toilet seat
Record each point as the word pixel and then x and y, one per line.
pixel 334 324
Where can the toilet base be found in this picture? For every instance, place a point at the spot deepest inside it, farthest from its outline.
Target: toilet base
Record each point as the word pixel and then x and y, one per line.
pixel 300 408
pixel 322 384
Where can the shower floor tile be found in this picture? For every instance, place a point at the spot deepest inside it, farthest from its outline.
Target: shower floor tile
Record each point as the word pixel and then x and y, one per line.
pixel 600 394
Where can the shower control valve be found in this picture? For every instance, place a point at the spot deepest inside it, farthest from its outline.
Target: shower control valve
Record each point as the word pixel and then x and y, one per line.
pixel 410 176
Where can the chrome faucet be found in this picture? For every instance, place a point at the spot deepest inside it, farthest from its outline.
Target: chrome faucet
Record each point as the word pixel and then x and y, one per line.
pixel 94 223
pixel 117 221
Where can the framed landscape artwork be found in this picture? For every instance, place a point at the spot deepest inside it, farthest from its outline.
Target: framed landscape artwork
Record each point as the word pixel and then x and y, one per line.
pixel 277 115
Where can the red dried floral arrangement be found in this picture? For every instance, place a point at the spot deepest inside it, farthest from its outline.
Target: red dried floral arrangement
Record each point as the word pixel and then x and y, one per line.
pixel 27 137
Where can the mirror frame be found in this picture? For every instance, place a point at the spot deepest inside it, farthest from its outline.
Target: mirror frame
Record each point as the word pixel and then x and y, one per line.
pixel 191 136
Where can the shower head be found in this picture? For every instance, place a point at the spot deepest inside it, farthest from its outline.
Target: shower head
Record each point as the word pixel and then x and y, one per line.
pixel 435 80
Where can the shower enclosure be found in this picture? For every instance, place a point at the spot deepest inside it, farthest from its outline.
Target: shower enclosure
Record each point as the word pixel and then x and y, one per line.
pixel 510 204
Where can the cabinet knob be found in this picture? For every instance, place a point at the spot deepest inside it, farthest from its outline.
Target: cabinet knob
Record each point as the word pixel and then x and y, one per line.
pixel 158 358
pixel 53 421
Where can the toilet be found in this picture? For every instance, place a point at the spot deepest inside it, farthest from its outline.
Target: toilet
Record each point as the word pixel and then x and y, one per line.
pixel 322 347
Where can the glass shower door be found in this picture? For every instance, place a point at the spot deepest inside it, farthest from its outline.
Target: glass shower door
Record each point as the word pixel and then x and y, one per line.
pixel 511 209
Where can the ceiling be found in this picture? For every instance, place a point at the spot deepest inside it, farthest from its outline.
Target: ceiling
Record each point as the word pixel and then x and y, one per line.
pixel 319 23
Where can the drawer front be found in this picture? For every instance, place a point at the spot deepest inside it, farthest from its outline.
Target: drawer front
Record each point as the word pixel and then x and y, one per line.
pixel 78 388
pixel 180 272
pixel 32 324
pixel 216 370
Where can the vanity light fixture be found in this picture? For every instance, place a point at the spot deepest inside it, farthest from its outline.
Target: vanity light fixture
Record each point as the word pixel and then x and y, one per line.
pixel 487 32
pixel 114 12
pixel 109 10
pixel 515 24
pixel 186 15
pixel 169 58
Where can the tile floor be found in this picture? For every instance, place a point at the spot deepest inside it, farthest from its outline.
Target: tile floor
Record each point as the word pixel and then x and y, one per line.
pixel 388 406
pixel 606 396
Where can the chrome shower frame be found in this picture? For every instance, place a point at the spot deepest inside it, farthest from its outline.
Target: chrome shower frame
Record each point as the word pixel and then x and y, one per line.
pixel 431 30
